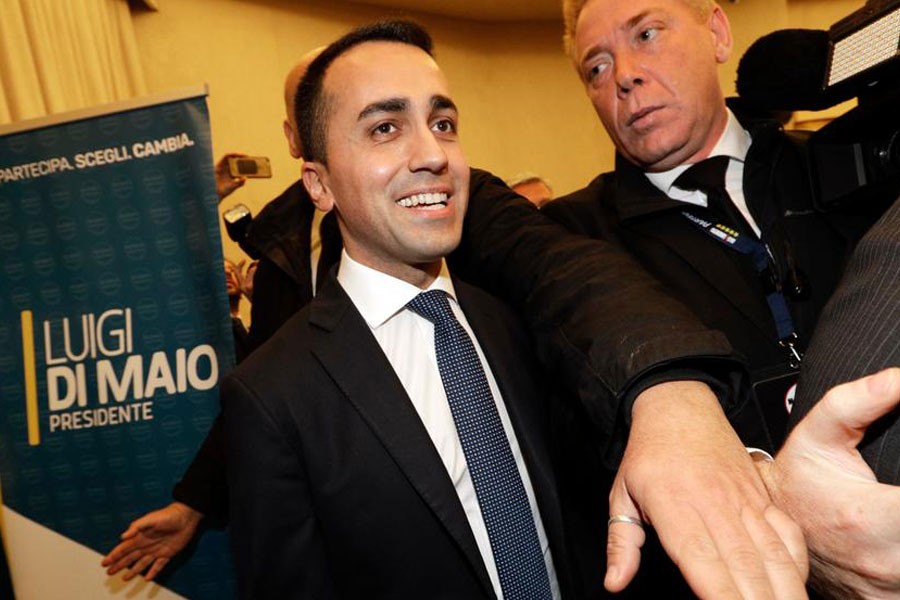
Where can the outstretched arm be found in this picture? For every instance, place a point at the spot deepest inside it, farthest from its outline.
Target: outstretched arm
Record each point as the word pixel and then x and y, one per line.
pixel 601 323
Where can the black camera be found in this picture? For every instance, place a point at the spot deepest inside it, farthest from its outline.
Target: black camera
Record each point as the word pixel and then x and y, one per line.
pixel 856 157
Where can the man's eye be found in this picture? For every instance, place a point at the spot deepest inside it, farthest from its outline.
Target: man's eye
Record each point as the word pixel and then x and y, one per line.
pixel 596 70
pixel 384 128
pixel 445 126
pixel 648 34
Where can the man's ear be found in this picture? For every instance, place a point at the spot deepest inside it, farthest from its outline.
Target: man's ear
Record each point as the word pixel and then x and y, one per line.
pixel 293 139
pixel 721 31
pixel 316 181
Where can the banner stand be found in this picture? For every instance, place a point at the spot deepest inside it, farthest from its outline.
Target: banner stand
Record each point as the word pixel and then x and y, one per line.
pixel 114 331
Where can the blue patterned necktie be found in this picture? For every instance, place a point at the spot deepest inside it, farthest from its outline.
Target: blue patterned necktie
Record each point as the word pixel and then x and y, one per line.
pixel 498 486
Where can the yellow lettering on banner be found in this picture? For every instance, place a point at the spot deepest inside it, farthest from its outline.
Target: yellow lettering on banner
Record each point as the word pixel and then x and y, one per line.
pixel 31 397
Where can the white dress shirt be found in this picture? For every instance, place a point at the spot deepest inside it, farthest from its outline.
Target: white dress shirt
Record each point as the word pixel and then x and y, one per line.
pixel 733 143
pixel 407 340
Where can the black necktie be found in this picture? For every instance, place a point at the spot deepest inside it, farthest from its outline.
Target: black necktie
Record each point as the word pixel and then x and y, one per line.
pixel 708 176
pixel 498 486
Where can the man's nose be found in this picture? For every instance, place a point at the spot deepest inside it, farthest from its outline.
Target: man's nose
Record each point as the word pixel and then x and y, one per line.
pixel 428 152
pixel 627 73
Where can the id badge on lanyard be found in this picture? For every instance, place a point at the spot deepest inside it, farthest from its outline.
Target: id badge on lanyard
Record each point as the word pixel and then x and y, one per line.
pixel 756 250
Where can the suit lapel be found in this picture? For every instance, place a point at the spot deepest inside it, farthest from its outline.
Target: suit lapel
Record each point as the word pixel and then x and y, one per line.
pixel 645 210
pixel 349 352
pixel 513 379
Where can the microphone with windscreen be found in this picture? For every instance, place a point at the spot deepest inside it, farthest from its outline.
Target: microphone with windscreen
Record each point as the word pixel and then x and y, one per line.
pixel 785 70
pixel 856 157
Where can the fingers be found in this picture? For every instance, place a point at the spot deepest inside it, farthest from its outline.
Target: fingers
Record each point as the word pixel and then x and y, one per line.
pixel 122 561
pixel 158 566
pixel 138 525
pixel 136 560
pixel 148 521
pixel 757 555
pixel 226 183
pixel 792 537
pixel 152 540
pixel 623 554
pixel 624 540
pixel 132 546
pixel 846 410
pixel 116 556
pixel 729 544
pixel 707 561
pixel 138 567
pixel 780 543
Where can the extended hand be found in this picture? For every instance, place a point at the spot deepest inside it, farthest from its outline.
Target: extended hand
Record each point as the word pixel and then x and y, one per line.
pixel 686 473
pixel 225 182
pixel 152 540
pixel 851 522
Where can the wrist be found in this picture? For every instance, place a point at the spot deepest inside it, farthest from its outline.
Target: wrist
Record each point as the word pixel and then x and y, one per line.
pixel 186 513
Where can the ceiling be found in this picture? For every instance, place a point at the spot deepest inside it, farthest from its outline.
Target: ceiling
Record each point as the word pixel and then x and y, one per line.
pixel 482 10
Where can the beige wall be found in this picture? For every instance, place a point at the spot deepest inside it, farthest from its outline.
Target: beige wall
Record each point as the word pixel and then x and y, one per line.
pixel 521 102
pixel 522 105
pixel 820 13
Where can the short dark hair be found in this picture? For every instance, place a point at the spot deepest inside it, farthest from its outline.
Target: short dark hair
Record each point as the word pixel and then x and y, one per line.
pixel 311 104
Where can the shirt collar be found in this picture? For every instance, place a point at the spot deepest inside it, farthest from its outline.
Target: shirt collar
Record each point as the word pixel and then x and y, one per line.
pixel 378 296
pixel 733 143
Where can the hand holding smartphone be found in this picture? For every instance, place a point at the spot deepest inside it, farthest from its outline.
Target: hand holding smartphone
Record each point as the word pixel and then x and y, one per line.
pixel 249 166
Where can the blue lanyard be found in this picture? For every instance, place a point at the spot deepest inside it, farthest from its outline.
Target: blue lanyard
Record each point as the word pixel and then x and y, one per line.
pixel 756 250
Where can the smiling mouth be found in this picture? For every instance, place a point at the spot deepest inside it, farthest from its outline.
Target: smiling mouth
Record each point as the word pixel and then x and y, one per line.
pixel 429 200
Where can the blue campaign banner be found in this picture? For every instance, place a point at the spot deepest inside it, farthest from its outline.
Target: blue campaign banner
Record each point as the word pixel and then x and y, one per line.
pixel 114 331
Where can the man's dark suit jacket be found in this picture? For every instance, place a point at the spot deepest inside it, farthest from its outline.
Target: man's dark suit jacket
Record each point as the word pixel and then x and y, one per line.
pixel 859 334
pixel 719 284
pixel 336 488
pixel 604 327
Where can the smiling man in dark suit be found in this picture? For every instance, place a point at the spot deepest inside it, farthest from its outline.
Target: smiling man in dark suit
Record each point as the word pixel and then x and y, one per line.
pixel 355 464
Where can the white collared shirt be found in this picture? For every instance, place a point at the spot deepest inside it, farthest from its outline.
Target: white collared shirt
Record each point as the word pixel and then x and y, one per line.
pixel 733 143
pixel 407 340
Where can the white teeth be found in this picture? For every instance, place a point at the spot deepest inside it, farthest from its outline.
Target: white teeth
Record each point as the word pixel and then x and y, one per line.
pixel 423 200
